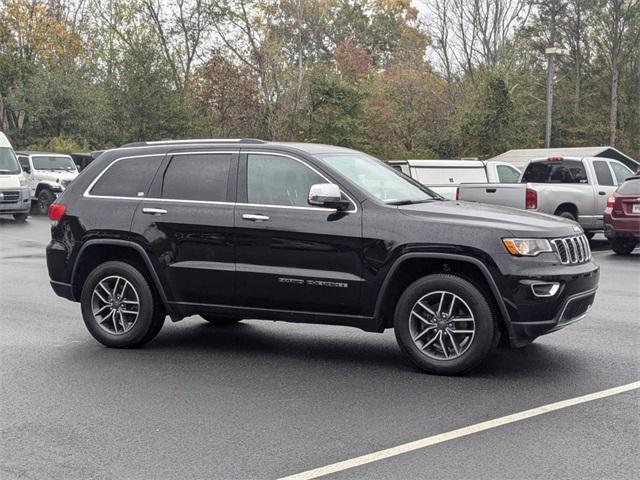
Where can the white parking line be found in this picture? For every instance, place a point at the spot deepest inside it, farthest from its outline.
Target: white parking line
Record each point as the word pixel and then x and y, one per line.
pixel 461 432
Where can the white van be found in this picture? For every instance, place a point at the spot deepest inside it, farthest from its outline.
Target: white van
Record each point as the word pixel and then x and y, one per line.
pixel 15 198
pixel 444 176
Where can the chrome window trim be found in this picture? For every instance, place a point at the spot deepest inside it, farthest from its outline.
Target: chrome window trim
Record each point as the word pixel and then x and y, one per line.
pixel 355 205
pixel 87 192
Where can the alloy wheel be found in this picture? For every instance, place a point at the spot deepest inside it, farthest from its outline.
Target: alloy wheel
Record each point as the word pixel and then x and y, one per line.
pixel 442 325
pixel 115 305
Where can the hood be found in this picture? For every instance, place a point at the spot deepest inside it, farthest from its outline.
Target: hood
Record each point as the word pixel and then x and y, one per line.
pixel 514 222
pixel 10 181
pixel 54 175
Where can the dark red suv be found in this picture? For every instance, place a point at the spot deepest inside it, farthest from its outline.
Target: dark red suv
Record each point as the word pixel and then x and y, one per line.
pixel 622 217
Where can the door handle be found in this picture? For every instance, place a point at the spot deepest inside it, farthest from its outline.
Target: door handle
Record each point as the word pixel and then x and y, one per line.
pixel 490 190
pixel 154 211
pixel 254 217
pixel 602 193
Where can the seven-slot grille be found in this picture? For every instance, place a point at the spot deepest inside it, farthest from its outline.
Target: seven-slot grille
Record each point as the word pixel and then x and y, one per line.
pixel 9 197
pixel 572 250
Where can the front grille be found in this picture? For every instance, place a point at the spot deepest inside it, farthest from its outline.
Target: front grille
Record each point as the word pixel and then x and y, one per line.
pixel 9 197
pixel 572 250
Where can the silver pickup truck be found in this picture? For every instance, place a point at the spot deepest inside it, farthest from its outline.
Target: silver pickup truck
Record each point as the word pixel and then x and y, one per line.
pixel 570 187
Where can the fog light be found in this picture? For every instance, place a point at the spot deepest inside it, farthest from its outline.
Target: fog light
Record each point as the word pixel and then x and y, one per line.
pixel 545 289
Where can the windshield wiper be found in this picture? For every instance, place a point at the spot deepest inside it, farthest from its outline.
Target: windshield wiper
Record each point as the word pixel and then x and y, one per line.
pixel 410 202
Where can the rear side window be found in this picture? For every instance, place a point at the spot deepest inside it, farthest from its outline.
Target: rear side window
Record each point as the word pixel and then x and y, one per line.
pixel 555 171
pixel 201 177
pixel 130 177
pixel 508 174
pixel 630 187
pixel 621 172
pixel 603 174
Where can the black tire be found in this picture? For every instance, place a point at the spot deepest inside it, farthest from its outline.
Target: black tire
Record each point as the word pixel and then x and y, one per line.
pixel 151 313
pixel 221 321
pixel 623 246
pixel 486 331
pixel 566 214
pixel 20 217
pixel 45 199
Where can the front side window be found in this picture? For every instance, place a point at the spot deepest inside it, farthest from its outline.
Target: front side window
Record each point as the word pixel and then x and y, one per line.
pixel 278 180
pixel 24 163
pixel 621 172
pixel 603 174
pixel 8 163
pixel 555 171
pixel 201 177
pixel 129 177
pixel 46 162
pixel 508 174
pixel 378 180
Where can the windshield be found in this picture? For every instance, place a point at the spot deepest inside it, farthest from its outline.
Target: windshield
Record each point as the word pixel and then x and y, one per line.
pixel 8 162
pixel 42 162
pixel 379 180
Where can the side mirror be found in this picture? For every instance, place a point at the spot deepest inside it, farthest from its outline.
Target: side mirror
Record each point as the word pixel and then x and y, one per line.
pixel 327 195
pixel 26 169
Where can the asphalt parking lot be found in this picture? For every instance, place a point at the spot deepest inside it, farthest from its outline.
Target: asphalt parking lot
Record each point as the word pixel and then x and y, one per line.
pixel 267 400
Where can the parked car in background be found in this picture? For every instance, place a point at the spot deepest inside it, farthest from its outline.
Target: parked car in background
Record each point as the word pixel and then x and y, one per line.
pixel 622 217
pixel 569 187
pixel 85 158
pixel 48 174
pixel 14 193
pixel 443 176
pixel 308 233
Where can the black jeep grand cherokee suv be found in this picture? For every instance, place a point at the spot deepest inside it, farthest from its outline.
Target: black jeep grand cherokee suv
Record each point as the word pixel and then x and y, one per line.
pixel 308 233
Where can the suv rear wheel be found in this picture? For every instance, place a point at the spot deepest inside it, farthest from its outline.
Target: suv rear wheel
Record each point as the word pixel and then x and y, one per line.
pixel 220 321
pixel 119 307
pixel 444 324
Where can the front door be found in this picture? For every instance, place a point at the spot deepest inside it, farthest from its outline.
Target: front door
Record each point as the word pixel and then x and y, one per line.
pixel 291 255
pixel 188 224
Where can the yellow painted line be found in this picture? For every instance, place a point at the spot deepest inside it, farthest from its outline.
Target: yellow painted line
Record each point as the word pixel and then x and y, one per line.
pixel 461 432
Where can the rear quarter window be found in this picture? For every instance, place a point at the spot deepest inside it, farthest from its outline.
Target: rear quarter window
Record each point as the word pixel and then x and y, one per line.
pixel 129 177
pixel 558 171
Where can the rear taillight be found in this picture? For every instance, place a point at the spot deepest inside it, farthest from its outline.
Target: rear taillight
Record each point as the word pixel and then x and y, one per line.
pixel 56 211
pixel 555 159
pixel 458 193
pixel 531 199
pixel 611 201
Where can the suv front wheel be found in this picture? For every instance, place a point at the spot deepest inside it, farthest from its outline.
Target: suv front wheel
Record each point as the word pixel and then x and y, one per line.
pixel 119 307
pixel 444 324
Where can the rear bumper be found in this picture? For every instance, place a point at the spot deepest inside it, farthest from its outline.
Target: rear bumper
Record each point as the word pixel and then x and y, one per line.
pixel 624 229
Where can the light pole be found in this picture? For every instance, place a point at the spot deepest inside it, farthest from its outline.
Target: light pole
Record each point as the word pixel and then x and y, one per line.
pixel 551 52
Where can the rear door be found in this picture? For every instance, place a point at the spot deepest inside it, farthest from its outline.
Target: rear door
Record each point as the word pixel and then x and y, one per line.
pixel 187 222
pixel 291 255
pixel 606 185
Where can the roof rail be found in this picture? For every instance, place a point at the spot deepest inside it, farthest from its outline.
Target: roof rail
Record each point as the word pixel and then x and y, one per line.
pixel 195 140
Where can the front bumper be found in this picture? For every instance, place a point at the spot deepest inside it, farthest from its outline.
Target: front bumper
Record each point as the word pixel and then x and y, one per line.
pixel 15 200
pixel 531 315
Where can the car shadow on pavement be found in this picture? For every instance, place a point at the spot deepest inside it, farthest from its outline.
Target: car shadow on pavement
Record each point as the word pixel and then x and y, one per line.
pixel 255 343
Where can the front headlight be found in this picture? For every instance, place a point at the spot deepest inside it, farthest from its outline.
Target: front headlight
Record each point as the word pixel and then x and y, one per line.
pixel 526 247
pixel 23 181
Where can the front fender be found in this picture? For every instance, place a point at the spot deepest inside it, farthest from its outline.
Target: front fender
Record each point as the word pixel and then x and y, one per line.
pixel 491 283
